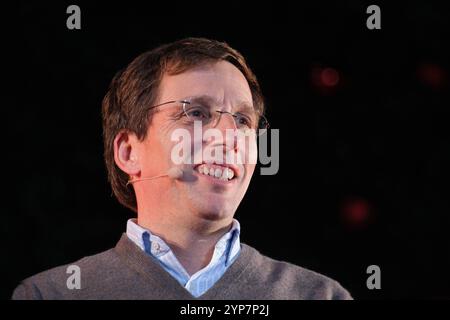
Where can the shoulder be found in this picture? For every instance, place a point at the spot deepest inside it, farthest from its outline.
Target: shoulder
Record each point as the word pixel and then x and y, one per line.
pixel 292 281
pixel 57 283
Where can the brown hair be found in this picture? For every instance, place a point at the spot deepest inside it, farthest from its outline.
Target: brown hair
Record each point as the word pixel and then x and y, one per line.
pixel 135 88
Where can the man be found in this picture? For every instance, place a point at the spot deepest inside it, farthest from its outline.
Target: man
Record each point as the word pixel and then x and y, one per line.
pixel 184 243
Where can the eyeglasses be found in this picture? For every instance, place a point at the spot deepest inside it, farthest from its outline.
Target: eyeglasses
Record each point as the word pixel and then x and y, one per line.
pixel 208 116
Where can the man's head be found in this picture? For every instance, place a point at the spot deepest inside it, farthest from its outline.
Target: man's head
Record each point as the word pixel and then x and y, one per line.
pixel 138 140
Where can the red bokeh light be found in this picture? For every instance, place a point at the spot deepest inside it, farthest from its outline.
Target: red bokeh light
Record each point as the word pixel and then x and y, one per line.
pixel 431 75
pixel 329 77
pixel 356 212
pixel 325 77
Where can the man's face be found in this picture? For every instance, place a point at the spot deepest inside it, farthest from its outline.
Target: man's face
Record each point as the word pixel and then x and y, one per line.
pixel 210 197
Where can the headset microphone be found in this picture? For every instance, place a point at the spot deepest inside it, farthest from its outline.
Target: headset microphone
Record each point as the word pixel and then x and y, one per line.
pixel 173 173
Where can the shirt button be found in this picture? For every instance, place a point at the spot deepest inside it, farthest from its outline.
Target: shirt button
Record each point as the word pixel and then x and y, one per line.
pixel 156 247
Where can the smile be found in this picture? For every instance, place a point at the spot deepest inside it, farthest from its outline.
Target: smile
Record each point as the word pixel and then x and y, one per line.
pixel 216 171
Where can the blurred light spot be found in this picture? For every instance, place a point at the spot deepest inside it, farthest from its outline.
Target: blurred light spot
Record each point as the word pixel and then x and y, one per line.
pixel 356 212
pixel 329 77
pixel 431 74
pixel 325 77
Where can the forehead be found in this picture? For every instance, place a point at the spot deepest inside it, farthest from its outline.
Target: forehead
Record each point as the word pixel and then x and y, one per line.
pixel 221 81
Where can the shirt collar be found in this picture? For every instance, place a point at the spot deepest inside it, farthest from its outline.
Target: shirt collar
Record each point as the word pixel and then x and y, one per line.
pixel 229 243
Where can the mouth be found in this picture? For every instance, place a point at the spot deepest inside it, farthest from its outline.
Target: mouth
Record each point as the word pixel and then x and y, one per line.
pixel 219 172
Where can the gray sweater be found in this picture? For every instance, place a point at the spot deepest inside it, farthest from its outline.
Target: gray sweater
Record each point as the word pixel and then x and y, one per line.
pixel 126 272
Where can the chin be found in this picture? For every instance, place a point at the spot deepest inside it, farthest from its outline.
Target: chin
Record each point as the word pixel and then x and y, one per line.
pixel 215 212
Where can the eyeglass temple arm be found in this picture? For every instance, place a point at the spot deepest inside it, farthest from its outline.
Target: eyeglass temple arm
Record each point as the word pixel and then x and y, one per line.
pixel 167 102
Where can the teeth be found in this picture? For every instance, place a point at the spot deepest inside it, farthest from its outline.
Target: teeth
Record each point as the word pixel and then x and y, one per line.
pixel 224 174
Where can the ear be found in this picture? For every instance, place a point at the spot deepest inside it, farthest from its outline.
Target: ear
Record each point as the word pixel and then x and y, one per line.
pixel 126 153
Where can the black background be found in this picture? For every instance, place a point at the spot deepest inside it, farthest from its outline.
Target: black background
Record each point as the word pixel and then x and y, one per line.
pixel 375 146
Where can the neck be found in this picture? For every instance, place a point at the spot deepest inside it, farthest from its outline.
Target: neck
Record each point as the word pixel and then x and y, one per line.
pixel 192 243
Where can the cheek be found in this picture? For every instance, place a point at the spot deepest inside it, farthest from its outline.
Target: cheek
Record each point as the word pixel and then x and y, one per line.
pixel 251 158
pixel 150 159
pixel 155 152
pixel 178 146
pixel 250 169
pixel 249 150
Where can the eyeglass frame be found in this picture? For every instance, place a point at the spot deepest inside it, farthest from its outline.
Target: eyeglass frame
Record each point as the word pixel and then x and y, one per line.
pixel 184 102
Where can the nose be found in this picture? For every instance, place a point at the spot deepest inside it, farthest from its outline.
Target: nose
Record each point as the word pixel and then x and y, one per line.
pixel 224 115
pixel 226 124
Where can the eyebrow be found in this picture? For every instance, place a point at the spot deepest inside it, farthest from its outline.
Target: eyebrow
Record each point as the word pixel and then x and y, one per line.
pixel 240 105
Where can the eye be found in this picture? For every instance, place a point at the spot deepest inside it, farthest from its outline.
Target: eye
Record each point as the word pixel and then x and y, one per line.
pixel 197 112
pixel 243 120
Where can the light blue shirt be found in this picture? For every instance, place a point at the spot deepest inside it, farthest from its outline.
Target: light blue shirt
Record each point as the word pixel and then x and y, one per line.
pixel 225 252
